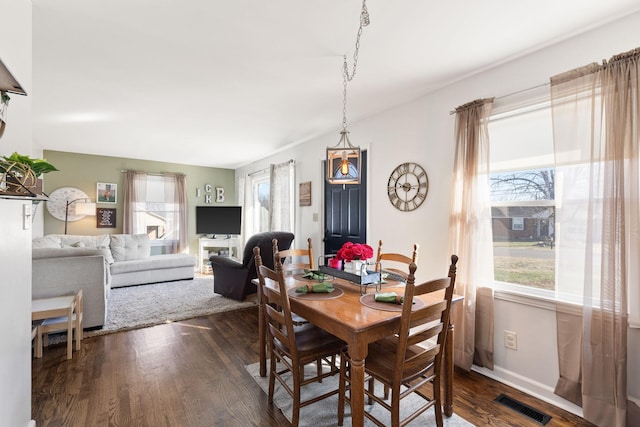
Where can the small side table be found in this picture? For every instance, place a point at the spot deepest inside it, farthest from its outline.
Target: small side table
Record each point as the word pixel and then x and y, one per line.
pixel 55 307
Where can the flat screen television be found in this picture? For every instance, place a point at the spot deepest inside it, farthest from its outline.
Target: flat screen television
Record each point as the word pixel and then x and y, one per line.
pixel 219 220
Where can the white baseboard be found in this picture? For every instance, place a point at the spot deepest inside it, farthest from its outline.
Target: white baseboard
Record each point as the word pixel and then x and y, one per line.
pixel 526 385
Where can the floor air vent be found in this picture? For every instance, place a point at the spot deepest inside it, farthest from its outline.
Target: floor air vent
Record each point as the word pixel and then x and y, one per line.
pixel 525 410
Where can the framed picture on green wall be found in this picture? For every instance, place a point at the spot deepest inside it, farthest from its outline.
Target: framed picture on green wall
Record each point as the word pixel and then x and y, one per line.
pixel 106 217
pixel 107 193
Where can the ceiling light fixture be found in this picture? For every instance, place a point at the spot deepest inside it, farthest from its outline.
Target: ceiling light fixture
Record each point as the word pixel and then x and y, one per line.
pixel 344 159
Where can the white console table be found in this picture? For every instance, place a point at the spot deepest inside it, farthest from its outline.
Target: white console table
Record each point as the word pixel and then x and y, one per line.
pixel 230 245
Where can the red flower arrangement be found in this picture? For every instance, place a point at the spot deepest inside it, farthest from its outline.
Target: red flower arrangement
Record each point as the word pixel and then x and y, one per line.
pixel 350 251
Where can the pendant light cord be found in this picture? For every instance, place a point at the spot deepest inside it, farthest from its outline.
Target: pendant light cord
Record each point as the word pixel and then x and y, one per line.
pixel 346 76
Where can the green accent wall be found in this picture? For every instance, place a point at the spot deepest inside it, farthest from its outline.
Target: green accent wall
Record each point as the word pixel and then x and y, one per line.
pixel 84 171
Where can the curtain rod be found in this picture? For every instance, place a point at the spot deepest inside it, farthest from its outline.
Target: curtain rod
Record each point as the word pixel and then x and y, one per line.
pixel 152 173
pixel 258 171
pixel 263 170
pixel 515 93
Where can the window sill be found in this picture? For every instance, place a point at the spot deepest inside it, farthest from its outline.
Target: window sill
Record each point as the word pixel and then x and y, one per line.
pixel 538 298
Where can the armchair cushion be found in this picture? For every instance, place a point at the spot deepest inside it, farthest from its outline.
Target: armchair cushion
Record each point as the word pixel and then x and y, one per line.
pixel 232 279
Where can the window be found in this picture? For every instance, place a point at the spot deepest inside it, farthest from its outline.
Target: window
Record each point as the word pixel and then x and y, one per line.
pixel 260 201
pixel 256 204
pixel 268 197
pixel 522 197
pixel 156 210
pixel 517 223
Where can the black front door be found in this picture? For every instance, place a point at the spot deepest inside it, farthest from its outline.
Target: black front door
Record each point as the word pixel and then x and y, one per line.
pixel 345 213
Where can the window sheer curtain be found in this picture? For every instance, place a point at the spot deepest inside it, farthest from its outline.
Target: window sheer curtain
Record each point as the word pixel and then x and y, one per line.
pixel 176 192
pixel 596 136
pixel 281 196
pixel 175 196
pixel 470 236
pixel 246 201
pixel 135 196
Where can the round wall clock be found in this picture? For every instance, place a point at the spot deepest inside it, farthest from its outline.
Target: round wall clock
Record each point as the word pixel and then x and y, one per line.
pixel 57 203
pixel 408 186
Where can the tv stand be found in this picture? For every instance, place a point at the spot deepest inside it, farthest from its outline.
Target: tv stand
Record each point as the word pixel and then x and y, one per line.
pixel 230 244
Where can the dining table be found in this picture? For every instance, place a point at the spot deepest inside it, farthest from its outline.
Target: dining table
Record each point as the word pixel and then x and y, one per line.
pixel 349 315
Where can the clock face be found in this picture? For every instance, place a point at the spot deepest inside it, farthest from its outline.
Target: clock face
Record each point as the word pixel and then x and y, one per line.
pixel 408 186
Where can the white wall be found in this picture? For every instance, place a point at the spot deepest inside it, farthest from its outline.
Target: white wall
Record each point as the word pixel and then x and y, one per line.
pixel 15 357
pixel 422 132
pixel 15 52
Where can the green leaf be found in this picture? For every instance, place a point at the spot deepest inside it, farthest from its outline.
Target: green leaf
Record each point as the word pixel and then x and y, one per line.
pixel 38 166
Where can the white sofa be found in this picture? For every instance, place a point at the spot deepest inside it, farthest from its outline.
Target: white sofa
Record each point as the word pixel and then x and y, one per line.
pixel 62 264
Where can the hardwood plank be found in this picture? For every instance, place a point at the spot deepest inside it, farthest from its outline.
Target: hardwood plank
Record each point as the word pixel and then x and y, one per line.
pixel 191 373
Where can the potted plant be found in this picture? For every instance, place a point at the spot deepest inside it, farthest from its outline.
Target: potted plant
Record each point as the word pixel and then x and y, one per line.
pixel 20 174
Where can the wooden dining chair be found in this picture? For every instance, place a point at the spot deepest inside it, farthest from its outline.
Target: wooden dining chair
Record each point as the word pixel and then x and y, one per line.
pixel 293 259
pixel 290 347
pixel 262 332
pixel 394 271
pixel 295 264
pixel 410 361
pixel 395 258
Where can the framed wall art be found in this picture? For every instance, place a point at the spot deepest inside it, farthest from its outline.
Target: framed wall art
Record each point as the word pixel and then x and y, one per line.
pixel 106 193
pixel 106 217
pixel 305 193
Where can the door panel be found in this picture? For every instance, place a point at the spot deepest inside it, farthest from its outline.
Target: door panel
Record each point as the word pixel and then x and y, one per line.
pixel 354 230
pixel 346 212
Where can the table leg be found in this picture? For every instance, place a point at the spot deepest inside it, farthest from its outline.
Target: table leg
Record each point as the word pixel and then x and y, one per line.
pixel 79 321
pixel 70 333
pixel 357 392
pixel 448 372
pixel 39 343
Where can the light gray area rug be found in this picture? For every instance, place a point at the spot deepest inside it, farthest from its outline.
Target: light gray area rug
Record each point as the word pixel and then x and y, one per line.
pixel 134 307
pixel 325 412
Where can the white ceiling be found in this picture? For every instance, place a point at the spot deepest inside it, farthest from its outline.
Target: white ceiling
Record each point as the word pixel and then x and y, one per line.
pixel 222 83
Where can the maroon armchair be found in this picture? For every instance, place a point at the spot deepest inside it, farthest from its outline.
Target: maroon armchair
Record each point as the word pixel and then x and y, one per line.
pixel 232 279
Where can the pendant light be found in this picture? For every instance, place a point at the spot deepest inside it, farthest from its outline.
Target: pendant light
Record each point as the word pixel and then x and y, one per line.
pixel 8 84
pixel 344 159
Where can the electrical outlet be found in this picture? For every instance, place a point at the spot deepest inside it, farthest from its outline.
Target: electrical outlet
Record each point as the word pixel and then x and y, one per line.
pixel 511 340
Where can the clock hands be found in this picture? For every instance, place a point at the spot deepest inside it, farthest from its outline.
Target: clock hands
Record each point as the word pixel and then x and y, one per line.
pixel 406 186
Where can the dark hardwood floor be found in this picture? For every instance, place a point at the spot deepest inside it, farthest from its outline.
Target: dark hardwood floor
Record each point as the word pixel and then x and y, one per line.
pixel 192 373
